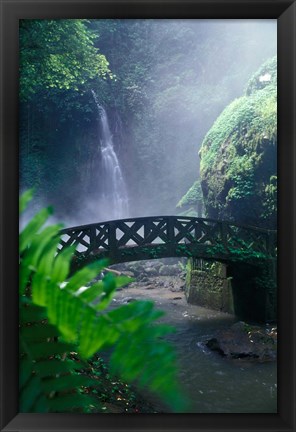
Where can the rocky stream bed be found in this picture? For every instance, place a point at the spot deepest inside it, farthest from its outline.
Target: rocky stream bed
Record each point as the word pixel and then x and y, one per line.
pixel 166 279
pixel 238 343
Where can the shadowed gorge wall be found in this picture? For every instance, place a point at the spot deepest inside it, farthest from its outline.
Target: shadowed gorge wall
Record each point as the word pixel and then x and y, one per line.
pixel 238 170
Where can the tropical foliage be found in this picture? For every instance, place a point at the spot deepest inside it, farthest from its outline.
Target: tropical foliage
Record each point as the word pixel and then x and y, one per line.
pixel 164 83
pixel 59 317
pixel 57 54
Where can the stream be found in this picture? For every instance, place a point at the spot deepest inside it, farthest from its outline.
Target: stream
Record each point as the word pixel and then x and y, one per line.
pixel 214 384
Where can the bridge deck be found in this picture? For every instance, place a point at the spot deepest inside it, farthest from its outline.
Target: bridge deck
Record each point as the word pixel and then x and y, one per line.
pixel 135 239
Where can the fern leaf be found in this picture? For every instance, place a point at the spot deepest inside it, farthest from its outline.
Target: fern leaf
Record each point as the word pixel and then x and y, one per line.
pixel 29 394
pixel 61 266
pixel 80 317
pixel 25 372
pixel 34 251
pixel 42 370
pixel 47 368
pixel 68 402
pixel 92 293
pixel 46 349
pixel 66 383
pixel 38 332
pixel 135 315
pixel 110 285
pixel 46 262
pixel 40 405
pixel 40 288
pixel 33 227
pixel 24 200
pixel 40 241
pixel 85 275
pixel 31 314
pixel 69 322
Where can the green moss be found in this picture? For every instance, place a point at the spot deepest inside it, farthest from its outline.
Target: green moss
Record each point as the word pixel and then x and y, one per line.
pixel 238 155
pixel 265 75
pixel 191 197
pixel 244 124
pixel 270 198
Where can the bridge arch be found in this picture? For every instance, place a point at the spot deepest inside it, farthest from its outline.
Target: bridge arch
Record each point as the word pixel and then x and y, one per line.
pixel 134 239
pixel 249 252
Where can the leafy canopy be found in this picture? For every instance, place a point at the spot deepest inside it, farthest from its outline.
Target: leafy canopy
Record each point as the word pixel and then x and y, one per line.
pixel 57 54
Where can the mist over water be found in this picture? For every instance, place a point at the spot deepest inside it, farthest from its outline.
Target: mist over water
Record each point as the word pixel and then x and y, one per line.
pixel 196 68
pixel 194 91
pixel 113 202
pixel 126 145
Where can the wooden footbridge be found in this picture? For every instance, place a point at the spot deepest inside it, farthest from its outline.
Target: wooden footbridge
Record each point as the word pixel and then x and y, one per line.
pixel 145 238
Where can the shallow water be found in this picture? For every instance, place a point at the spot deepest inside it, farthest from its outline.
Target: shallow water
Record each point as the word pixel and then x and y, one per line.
pixel 213 383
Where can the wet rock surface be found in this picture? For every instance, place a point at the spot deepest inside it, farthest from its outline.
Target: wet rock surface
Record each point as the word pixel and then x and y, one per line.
pixel 243 366
pixel 244 341
pixel 167 274
pixel 166 279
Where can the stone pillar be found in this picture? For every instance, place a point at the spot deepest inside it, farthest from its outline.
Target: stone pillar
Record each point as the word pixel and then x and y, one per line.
pixel 247 291
pixel 208 286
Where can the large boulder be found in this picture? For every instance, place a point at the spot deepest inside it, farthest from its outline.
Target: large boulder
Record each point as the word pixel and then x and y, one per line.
pixel 245 341
pixel 238 165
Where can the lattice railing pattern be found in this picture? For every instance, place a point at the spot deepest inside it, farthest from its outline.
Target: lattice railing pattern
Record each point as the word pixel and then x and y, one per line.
pixel 172 234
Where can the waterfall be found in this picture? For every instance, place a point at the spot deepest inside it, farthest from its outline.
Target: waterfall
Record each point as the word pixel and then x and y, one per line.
pixel 114 198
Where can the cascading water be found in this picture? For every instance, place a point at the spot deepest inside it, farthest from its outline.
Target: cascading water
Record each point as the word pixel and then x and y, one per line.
pixel 114 197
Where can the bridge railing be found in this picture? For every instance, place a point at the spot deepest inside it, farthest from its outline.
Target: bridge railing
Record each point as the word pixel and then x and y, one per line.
pixel 110 237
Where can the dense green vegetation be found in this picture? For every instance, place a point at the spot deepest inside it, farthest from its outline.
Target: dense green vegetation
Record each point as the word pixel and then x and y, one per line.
pixel 238 171
pixel 191 200
pixel 57 54
pixel 59 320
pixel 165 85
pixel 238 155
pixel 162 82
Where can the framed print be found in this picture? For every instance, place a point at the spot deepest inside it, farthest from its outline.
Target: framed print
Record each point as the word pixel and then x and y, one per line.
pixel 147 215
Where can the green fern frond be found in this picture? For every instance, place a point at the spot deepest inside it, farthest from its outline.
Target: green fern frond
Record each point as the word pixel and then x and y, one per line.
pixel 25 198
pixel 78 320
pixel 29 232
pixel 53 367
pixel 72 402
pixel 30 394
pixel 47 376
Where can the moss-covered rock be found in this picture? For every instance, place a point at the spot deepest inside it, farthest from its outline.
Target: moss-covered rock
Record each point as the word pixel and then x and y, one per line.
pixel 191 197
pixel 191 204
pixel 238 155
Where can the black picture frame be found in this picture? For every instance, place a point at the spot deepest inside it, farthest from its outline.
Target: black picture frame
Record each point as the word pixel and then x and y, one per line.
pixel 285 13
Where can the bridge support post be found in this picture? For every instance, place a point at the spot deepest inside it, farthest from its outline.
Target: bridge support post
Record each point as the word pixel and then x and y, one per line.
pixel 248 292
pixel 207 285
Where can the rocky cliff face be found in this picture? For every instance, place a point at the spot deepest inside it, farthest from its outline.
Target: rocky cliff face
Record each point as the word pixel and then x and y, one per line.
pixel 239 156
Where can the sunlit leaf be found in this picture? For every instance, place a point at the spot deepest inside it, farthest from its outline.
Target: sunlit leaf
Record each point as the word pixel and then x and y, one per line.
pixel 33 227
pixel 25 198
